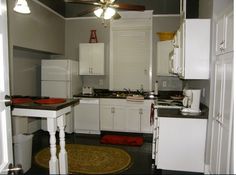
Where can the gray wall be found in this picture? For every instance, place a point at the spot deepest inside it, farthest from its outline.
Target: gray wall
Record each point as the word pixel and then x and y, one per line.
pixel 78 31
pixel 41 30
pixel 164 24
pixel 27 73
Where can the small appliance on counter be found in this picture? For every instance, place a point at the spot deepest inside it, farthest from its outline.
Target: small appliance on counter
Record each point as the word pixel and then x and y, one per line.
pixel 191 101
pixel 86 90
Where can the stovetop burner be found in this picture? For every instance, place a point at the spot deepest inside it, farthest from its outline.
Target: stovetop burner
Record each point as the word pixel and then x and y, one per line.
pixel 162 103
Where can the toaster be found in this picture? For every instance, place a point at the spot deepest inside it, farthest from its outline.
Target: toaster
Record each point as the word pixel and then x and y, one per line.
pixel 86 90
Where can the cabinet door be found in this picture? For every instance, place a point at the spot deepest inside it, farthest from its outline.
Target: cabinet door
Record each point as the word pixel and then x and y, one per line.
pixel 220 35
pixel 226 114
pixel 84 59
pixel 133 119
pixel 97 60
pixel 229 25
pixel 119 118
pixel 106 117
pixel 163 50
pixel 181 51
pixel 216 112
pixel 146 126
pixel 91 57
pixel 222 115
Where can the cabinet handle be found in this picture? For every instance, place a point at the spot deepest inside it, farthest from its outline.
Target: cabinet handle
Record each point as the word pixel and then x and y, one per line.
pixel 113 110
pixel 218 118
pixel 222 48
pixel 222 42
pixel 140 111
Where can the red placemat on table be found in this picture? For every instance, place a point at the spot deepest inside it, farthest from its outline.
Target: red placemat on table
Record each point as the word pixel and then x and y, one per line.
pixel 21 100
pixel 50 101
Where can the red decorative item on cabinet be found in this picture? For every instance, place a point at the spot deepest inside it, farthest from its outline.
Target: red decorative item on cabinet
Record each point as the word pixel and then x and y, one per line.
pixel 93 37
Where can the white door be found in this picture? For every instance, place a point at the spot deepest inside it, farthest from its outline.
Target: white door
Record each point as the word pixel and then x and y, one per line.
pixel 6 155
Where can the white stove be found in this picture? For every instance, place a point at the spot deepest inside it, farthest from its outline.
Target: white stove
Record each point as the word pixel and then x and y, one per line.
pixel 168 104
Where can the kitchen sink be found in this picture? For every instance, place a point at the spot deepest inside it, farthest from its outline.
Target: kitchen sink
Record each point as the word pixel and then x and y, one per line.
pixel 119 94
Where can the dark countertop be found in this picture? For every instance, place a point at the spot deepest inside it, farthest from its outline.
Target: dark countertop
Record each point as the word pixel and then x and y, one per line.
pixel 54 107
pixel 112 95
pixel 176 113
pixel 106 93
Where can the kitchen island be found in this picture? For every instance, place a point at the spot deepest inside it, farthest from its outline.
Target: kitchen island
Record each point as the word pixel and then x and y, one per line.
pixel 55 115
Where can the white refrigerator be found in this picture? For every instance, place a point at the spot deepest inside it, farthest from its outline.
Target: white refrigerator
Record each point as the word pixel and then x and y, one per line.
pixel 60 79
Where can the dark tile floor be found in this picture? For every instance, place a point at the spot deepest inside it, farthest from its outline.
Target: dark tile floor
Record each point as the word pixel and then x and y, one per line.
pixel 141 155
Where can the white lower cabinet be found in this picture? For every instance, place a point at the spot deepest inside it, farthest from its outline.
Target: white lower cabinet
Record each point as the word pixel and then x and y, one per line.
pixel 124 116
pixel 86 116
pixel 180 144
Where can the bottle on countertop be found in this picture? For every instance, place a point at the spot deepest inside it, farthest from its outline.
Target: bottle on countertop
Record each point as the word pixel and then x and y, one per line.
pixel 156 88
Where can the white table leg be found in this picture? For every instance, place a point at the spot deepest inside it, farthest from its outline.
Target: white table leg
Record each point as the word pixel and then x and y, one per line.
pixel 63 160
pixel 53 162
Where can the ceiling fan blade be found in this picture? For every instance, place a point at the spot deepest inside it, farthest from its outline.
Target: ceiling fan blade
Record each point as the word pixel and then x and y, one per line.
pixel 125 6
pixel 89 2
pixel 87 11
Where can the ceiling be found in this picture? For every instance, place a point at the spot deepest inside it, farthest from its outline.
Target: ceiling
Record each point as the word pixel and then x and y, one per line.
pixel 74 10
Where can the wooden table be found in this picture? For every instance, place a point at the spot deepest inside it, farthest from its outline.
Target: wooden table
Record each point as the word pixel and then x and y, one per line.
pixel 55 114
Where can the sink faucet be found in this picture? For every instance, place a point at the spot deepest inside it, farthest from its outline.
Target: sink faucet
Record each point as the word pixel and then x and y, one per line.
pixel 127 90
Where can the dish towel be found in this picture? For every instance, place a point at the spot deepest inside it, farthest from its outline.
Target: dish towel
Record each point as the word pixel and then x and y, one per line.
pixel 152 114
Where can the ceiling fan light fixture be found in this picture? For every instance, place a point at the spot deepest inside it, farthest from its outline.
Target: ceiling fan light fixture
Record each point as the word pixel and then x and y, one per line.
pixel 22 7
pixel 98 12
pixel 109 12
pixel 111 1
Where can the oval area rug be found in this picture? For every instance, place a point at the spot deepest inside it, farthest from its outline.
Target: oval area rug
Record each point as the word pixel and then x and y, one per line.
pixel 88 159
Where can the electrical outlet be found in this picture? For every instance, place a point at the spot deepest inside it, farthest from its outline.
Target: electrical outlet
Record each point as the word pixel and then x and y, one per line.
pixel 203 92
pixel 164 84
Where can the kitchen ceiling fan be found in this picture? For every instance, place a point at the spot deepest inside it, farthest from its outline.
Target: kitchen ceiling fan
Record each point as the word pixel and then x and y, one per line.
pixel 106 9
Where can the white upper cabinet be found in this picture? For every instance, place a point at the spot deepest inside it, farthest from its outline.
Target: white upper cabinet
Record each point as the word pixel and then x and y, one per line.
pixel 194 49
pixel 224 32
pixel 163 50
pixel 91 56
